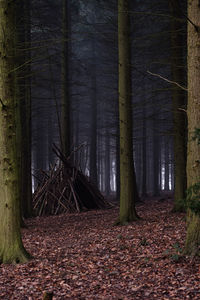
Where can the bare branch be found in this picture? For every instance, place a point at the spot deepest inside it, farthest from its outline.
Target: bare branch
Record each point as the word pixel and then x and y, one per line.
pixel 170 81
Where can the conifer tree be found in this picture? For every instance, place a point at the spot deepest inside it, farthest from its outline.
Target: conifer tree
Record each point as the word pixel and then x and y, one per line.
pixel 128 188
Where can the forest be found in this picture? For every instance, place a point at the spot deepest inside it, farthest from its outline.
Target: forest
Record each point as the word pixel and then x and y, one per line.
pixel 99 149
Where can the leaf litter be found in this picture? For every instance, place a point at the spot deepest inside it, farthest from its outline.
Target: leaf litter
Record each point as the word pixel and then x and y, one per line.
pixel 83 256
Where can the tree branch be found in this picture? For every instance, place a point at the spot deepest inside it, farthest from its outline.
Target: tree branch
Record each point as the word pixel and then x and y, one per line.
pixel 170 81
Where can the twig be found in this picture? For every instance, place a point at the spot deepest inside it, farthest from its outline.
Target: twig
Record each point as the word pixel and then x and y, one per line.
pixel 183 110
pixel 170 81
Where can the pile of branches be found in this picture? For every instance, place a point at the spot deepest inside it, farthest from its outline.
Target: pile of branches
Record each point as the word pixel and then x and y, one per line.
pixel 65 189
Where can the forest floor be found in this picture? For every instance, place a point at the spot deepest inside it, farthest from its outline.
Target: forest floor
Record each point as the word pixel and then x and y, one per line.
pixel 83 256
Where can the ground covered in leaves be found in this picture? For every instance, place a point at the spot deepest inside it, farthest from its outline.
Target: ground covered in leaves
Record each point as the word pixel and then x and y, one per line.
pixel 83 256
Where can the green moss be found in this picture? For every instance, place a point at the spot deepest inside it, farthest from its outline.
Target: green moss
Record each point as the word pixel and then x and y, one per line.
pixel 196 136
pixel 13 252
pixel 193 235
pixel 193 198
pixel 180 206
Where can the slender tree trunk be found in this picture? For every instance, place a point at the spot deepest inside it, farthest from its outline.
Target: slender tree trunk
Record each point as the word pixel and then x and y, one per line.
pixel 50 125
pixel 156 160
pixel 11 247
pixel 193 111
pixel 25 109
pixel 127 174
pixel 166 160
pixel 93 140
pixel 144 154
pixel 107 163
pixel 178 103
pixel 117 160
pixel 65 98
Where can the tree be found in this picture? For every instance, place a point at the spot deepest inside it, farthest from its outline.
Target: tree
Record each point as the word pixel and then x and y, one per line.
pixel 144 153
pixel 11 247
pixel 127 174
pixel 178 103
pixel 23 75
pixel 193 112
pixel 65 99
pixel 93 142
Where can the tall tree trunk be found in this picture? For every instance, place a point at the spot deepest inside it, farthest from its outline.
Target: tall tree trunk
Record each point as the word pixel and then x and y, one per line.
pixel 65 98
pixel 178 103
pixel 107 163
pixel 156 160
pixel 23 28
pixel 144 153
pixel 11 247
pixel 127 174
pixel 117 160
pixel 166 161
pixel 93 139
pixel 193 111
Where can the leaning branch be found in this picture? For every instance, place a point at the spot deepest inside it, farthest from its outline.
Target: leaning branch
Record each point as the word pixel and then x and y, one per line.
pixel 170 81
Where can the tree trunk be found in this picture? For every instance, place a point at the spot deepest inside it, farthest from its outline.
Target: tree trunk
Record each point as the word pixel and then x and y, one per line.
pixel 117 159
pixel 127 174
pixel 166 161
pixel 144 153
pixel 193 111
pixel 156 160
pixel 107 163
pixel 11 247
pixel 65 98
pixel 25 107
pixel 178 103
pixel 93 139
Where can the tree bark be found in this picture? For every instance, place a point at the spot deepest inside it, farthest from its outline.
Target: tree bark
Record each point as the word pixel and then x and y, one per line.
pixel 193 112
pixel 11 247
pixel 127 174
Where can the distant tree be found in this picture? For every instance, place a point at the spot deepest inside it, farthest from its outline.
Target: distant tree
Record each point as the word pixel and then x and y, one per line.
pixel 23 75
pixel 93 140
pixel 128 188
pixel 156 158
pixel 144 153
pixel 193 112
pixel 11 247
pixel 178 103
pixel 65 98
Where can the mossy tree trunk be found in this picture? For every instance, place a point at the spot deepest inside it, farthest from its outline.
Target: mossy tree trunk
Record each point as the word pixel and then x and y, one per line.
pixel 11 247
pixel 178 103
pixel 193 111
pixel 127 175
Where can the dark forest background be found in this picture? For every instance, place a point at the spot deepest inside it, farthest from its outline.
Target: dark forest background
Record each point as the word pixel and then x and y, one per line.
pixel 92 87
